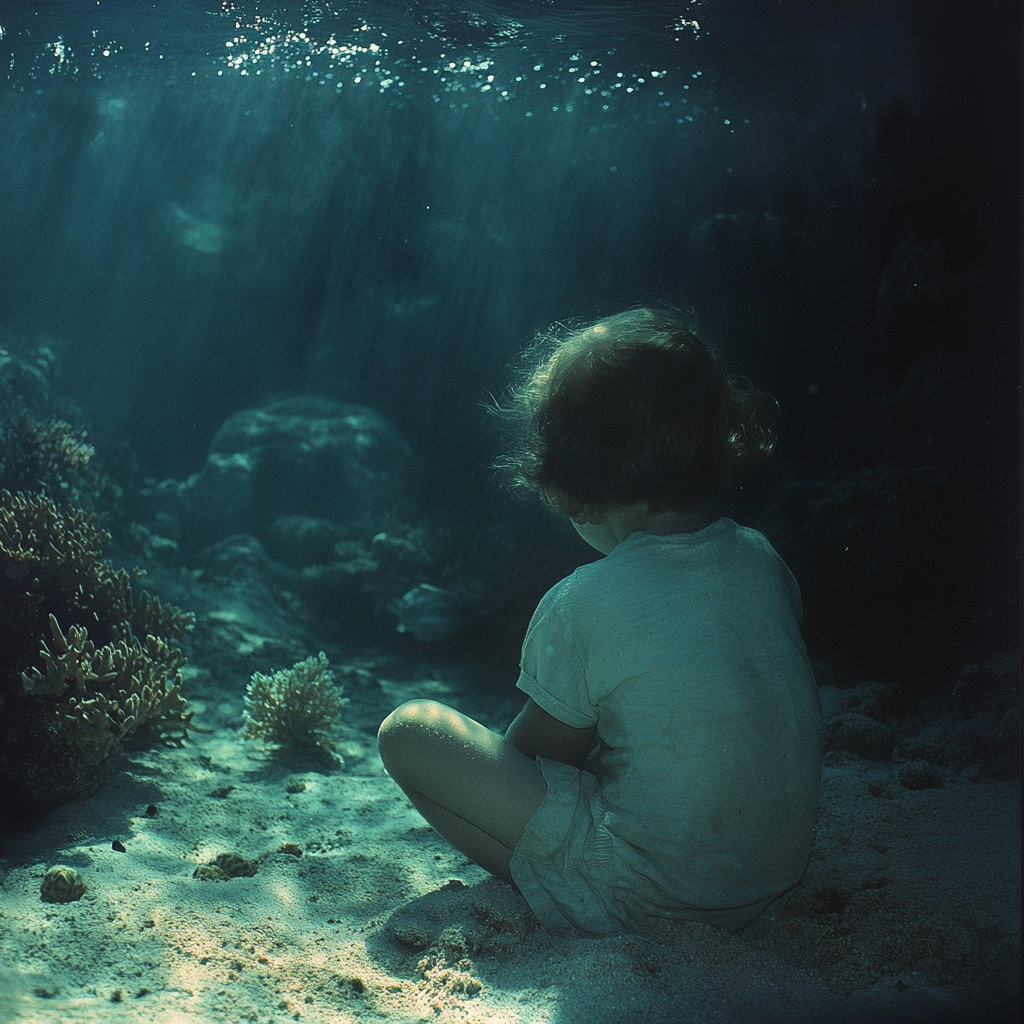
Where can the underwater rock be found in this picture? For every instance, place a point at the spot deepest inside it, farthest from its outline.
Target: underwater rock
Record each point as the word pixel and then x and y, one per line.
pixel 979 724
pixel 986 687
pixel 879 559
pixel 221 500
pixel 928 421
pixel 305 457
pixel 241 558
pixel 299 541
pixel 875 699
pixel 62 884
pixel 436 575
pixel 431 614
pixel 250 620
pixel 923 294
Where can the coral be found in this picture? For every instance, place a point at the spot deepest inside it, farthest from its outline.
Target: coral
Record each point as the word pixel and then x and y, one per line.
pixel 84 661
pixel 62 884
pixel 40 451
pixel 295 708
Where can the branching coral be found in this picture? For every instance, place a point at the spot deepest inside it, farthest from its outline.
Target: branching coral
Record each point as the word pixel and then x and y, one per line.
pixel 84 661
pixel 296 707
pixel 135 690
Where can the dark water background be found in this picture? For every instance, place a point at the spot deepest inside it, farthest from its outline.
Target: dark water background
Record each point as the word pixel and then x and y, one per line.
pixel 207 205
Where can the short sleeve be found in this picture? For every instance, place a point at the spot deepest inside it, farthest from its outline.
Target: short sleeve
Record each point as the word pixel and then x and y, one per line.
pixel 552 670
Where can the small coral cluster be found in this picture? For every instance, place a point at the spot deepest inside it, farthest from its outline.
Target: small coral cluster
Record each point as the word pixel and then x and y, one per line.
pixel 295 708
pixel 62 884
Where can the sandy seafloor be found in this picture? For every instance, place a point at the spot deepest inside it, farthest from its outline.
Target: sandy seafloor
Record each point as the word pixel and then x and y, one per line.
pixel 358 911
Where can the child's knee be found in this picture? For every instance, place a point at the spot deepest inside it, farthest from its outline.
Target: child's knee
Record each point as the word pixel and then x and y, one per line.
pixel 411 714
pixel 404 729
pixel 390 729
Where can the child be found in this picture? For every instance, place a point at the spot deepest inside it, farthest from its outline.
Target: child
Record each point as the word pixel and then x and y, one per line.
pixel 667 762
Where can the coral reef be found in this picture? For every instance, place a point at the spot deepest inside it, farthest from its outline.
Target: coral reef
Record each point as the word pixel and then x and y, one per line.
pixel 41 452
pixel 84 660
pixel 295 708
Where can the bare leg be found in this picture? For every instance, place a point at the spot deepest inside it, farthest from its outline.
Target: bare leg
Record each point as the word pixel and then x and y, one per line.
pixel 471 784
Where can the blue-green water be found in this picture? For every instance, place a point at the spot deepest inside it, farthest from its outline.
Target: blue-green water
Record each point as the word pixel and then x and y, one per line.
pixel 203 205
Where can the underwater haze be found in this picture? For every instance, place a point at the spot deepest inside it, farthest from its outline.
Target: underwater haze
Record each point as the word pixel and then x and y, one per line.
pixel 204 205
pixel 263 268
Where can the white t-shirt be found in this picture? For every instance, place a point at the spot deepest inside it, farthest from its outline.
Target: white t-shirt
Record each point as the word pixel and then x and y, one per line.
pixel 685 651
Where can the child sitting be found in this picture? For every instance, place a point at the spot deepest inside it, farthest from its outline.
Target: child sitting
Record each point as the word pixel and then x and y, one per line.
pixel 667 762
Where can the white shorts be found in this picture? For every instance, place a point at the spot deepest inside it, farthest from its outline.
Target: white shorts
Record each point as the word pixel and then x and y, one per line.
pixel 579 879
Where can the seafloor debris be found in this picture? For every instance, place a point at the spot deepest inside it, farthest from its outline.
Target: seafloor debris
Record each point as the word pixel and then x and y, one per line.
pixel 431 614
pixel 225 866
pixel 62 884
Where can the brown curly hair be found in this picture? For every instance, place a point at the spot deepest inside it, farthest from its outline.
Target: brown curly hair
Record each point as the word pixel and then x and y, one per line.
pixel 634 408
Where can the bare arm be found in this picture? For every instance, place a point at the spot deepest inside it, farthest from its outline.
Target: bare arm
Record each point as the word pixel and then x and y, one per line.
pixel 535 733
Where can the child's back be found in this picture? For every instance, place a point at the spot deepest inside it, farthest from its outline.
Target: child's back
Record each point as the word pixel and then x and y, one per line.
pixel 684 649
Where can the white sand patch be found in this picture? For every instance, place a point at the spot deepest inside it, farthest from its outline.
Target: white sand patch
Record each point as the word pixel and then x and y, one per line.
pixel 359 912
